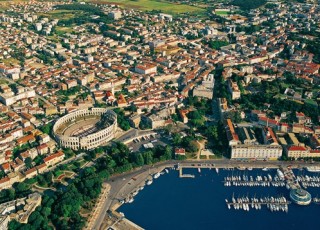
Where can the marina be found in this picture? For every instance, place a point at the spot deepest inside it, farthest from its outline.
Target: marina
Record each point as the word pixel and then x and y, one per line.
pixel 272 203
pixel 259 207
pixel 244 180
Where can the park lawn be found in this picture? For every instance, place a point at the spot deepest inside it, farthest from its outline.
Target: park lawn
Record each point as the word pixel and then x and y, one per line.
pixel 61 30
pixel 222 13
pixel 57 173
pixel 191 155
pixel 2 81
pixel 215 157
pixel 61 14
pixel 72 167
pixel 165 7
pixel 64 29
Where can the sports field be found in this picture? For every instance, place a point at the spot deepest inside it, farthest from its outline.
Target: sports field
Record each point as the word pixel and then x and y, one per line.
pixel 165 7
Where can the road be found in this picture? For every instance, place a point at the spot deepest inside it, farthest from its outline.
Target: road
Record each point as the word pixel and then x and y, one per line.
pixel 118 182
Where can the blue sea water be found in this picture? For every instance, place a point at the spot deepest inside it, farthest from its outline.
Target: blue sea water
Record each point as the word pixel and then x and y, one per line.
pixel 185 203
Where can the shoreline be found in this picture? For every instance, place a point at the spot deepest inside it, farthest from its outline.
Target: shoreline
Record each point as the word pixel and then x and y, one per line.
pixel 137 180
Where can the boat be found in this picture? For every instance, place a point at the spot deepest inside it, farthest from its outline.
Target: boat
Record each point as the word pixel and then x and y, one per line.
pixel 280 174
pixel 250 168
pixel 167 171
pixel 142 187
pixel 156 175
pixel 316 200
pixel 217 170
pixel 287 186
pixel 241 168
pixel 131 200
pixel 313 169
pixel 265 169
pixel 149 182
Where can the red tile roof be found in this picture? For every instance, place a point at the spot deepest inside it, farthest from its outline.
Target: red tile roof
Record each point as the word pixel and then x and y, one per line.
pixel 297 148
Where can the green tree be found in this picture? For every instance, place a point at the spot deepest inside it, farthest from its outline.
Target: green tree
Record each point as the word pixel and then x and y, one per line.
pixel 176 138
pixel 138 159
pixel 21 187
pixel 2 174
pixel 148 157
pixel 14 225
pixel 211 132
pixel 168 152
pixel 28 162
pixel 46 128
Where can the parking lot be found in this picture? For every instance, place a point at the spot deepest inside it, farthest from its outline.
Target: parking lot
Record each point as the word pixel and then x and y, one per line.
pixel 138 143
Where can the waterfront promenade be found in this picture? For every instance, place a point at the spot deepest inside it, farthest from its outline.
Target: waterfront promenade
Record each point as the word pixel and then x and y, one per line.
pixel 125 184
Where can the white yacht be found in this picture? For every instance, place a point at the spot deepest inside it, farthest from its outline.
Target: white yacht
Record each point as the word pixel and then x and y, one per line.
pixel 313 169
pixel 156 175
pixel 280 174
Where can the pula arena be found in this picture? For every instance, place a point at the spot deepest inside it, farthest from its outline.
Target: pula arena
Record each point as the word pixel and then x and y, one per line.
pixel 90 128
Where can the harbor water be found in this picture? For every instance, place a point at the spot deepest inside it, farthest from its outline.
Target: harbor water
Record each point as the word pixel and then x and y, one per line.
pixel 171 202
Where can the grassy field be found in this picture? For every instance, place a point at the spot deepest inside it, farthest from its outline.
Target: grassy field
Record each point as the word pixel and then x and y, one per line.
pixel 2 81
pixel 60 14
pixel 37 65
pixel 165 7
pixel 62 30
pixel 222 13
pixel 3 6
pixel 10 61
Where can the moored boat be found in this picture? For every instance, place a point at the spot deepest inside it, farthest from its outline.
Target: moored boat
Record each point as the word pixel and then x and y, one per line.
pixel 313 169
pixel 156 175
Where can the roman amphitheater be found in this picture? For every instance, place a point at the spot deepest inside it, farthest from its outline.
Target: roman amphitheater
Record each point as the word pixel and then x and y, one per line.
pixel 86 128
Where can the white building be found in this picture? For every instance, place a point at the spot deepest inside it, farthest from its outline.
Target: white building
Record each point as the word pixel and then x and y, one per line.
pixel 234 90
pixel 256 152
pixel 115 15
pixel 206 87
pixel 10 98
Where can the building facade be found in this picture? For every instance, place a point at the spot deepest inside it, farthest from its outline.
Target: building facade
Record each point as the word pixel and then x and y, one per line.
pixel 256 152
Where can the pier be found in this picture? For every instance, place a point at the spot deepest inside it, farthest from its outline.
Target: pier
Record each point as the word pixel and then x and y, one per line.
pixel 181 175
pixel 290 178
